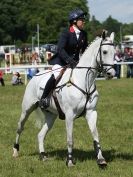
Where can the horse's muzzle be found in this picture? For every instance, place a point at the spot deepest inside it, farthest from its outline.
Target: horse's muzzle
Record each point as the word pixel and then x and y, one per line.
pixel 110 73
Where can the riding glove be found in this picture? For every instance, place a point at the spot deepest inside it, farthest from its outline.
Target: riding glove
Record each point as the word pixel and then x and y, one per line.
pixel 72 63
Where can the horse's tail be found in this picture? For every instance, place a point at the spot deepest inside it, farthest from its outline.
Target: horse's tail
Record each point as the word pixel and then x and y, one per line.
pixel 39 120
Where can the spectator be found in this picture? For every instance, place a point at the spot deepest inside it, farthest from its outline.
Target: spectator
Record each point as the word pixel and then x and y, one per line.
pixel 117 58
pixel 129 58
pixel 16 79
pixel 1 79
pixel 32 72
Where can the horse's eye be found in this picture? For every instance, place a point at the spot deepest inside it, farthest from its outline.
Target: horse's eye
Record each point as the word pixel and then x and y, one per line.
pixel 104 52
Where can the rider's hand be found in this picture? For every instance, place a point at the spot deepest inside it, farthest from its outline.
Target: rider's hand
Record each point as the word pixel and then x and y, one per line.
pixel 72 63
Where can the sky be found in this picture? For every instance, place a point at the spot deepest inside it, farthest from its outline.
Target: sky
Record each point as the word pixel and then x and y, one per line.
pixel 121 10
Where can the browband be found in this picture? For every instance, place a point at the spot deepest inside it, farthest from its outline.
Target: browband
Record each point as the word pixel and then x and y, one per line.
pixel 108 44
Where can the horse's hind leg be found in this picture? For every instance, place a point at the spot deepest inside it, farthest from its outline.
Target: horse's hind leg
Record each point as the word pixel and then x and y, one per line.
pixel 24 116
pixel 91 116
pixel 49 121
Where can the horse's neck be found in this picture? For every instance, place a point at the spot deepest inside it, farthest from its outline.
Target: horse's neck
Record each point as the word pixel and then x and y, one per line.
pixel 88 59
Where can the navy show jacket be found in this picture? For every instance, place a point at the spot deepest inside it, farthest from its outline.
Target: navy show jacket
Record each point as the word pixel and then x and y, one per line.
pixel 69 47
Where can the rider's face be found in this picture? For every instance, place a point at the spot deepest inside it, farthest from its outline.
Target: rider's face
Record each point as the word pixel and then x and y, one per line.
pixel 80 23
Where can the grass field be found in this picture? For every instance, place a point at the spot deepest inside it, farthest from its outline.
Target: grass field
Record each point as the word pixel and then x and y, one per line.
pixel 115 125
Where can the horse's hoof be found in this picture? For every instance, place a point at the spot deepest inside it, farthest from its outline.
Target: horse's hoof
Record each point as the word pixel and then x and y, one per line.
pixel 102 163
pixel 43 156
pixel 15 152
pixel 70 164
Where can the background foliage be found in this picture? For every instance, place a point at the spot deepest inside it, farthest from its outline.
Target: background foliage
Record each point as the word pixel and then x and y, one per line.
pixel 19 19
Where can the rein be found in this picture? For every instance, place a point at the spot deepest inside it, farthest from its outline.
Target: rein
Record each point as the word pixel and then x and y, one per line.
pixel 70 82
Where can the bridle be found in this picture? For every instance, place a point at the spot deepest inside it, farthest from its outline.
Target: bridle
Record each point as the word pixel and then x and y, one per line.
pixel 101 64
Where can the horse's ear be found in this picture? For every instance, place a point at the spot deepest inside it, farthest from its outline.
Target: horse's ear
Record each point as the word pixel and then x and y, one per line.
pixel 104 34
pixel 112 36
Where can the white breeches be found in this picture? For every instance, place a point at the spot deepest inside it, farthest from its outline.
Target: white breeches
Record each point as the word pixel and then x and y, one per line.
pixel 56 70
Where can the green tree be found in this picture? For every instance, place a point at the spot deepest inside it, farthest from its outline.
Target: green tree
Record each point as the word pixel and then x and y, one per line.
pixel 19 19
pixel 95 27
pixel 127 29
pixel 112 25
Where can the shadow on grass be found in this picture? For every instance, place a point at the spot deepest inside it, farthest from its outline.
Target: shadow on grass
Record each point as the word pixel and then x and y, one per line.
pixel 82 155
pixel 113 154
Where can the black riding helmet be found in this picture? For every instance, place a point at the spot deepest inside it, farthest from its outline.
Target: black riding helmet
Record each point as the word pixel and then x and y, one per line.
pixel 76 14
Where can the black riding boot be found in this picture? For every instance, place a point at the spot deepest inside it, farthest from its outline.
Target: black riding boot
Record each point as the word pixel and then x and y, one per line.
pixel 45 99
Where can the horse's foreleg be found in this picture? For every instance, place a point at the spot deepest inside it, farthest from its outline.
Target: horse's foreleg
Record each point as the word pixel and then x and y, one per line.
pixel 50 119
pixel 91 117
pixel 69 129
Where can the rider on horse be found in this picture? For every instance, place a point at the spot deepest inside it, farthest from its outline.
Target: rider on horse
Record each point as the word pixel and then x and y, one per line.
pixel 72 43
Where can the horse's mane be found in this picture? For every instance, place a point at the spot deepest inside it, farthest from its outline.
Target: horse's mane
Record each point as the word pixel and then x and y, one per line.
pixel 94 42
pixel 96 39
